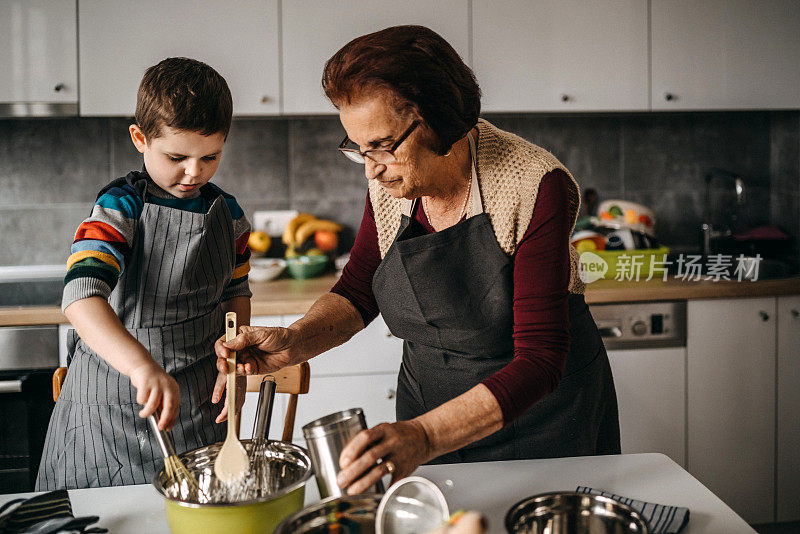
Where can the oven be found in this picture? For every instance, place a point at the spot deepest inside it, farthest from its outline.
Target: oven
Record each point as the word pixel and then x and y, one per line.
pixel 28 357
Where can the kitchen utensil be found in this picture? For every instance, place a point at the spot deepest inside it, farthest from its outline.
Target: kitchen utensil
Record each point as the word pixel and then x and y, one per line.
pixel 570 512
pixel 178 481
pixel 349 513
pixel 413 504
pixel 266 397
pixel 232 462
pixel 265 269
pixel 326 438
pixel 289 470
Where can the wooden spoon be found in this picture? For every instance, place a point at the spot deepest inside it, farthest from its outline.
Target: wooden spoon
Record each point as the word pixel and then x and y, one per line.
pixel 232 462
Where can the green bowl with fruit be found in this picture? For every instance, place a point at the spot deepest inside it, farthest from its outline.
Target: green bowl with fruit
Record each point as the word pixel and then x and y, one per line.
pixel 303 267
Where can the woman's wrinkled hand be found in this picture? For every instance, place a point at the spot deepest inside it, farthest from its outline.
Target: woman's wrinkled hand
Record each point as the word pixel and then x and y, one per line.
pixel 259 350
pixel 403 445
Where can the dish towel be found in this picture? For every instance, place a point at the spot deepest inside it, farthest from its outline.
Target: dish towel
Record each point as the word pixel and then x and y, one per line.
pixel 48 513
pixel 662 519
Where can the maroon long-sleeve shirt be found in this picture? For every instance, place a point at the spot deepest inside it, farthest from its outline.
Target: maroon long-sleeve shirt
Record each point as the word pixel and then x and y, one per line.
pixel 541 280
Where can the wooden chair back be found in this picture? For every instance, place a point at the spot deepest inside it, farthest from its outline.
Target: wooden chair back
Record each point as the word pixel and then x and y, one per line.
pixel 293 380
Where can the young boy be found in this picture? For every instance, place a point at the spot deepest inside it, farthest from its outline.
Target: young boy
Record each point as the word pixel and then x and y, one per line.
pixel 152 272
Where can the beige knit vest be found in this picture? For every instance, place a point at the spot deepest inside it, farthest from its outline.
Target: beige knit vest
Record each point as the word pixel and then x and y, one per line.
pixel 510 170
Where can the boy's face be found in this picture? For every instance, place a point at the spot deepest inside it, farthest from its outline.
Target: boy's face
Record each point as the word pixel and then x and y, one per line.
pixel 179 161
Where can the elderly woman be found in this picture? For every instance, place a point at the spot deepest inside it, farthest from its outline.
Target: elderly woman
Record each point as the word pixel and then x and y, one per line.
pixel 464 250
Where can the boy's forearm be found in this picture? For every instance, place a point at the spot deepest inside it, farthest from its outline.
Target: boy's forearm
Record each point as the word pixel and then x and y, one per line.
pixel 96 323
pixel 240 305
pixel 331 321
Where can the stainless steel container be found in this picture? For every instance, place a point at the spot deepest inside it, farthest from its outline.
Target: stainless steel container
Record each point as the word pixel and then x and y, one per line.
pixel 351 513
pixel 573 513
pixel 326 438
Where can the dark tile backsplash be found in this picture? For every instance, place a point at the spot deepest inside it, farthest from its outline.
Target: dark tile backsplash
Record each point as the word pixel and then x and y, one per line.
pixel 51 169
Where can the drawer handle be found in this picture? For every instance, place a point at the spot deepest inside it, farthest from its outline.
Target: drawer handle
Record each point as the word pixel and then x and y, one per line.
pixel 391 393
pixel 764 316
pixel 795 313
pixel 10 386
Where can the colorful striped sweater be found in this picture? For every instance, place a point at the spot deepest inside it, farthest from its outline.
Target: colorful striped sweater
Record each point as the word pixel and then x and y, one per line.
pixel 104 241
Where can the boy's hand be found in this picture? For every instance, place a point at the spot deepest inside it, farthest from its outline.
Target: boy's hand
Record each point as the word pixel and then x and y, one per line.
pixel 154 389
pixel 220 386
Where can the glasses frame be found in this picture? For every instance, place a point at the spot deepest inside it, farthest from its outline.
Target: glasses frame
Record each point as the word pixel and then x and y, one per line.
pixel 357 156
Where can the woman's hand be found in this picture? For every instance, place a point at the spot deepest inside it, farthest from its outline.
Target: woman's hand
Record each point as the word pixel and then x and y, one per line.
pixel 154 388
pixel 220 386
pixel 259 350
pixel 403 445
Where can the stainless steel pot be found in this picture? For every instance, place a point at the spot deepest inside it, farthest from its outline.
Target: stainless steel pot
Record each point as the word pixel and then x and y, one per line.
pixel 573 513
pixel 350 513
pixel 287 471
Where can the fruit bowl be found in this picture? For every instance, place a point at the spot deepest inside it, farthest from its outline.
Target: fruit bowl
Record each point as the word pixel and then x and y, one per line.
pixel 265 269
pixel 302 267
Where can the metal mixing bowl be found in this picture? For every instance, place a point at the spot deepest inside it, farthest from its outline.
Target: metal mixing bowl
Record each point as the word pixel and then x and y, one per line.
pixel 288 469
pixel 349 513
pixel 573 513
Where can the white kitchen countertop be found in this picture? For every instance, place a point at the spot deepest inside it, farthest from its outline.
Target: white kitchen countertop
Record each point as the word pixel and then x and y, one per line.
pixel 491 487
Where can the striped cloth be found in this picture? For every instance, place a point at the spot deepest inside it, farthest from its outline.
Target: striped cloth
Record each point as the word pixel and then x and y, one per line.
pixel 103 242
pixel 44 514
pixel 662 519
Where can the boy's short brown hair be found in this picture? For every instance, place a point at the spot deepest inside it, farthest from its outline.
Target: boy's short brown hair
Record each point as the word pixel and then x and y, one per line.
pixel 184 94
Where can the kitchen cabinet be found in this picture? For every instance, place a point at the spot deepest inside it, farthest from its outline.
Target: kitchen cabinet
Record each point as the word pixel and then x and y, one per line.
pixel 651 394
pixel 361 373
pixel 731 402
pixel 119 40
pixel 557 55
pixel 725 54
pixel 788 431
pixel 313 31
pixel 39 61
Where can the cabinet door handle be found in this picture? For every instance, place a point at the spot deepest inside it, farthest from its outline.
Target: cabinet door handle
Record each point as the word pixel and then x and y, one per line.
pixel 795 313
pixel 565 98
pixel 669 97
pixel 391 393
pixel 764 316
pixel 389 334
pixel 264 99
pixel 10 386
pixel 612 331
pixel 59 87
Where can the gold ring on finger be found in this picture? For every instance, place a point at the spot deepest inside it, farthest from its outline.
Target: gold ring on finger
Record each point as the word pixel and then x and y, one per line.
pixel 390 467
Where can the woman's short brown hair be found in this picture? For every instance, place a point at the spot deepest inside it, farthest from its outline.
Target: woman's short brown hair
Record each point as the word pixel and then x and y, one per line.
pixel 184 94
pixel 419 67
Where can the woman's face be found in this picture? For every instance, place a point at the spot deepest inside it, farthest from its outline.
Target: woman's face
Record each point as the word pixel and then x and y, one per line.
pixel 372 122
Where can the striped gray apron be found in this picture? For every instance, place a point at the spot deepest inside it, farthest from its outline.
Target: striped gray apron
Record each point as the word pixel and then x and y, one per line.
pixel 168 297
pixel 449 296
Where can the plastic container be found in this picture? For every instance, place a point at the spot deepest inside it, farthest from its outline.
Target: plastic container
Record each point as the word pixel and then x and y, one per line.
pixel 645 258
pixel 303 267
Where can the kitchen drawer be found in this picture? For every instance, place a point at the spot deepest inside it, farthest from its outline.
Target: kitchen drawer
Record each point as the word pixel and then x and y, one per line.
pixel 375 394
pixel 373 350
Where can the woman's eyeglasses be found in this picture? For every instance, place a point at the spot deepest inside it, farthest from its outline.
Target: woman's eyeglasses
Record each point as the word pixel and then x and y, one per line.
pixel 381 156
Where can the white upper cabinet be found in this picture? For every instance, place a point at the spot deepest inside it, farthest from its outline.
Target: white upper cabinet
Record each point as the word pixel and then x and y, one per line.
pixel 119 40
pixel 561 55
pixel 313 31
pixel 38 51
pixel 725 54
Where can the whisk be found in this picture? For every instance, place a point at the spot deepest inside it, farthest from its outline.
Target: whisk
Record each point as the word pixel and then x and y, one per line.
pixel 179 480
pixel 258 466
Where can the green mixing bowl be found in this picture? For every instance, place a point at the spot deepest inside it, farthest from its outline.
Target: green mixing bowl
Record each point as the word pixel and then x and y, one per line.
pixel 302 267
pixel 289 471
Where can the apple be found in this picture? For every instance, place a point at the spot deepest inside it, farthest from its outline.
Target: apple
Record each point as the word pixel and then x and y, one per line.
pixel 326 240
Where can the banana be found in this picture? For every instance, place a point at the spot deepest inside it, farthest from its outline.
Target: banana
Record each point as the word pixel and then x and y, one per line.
pixel 291 227
pixel 308 228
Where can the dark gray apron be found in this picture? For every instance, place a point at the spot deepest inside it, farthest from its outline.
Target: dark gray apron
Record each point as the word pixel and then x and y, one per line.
pixel 168 297
pixel 449 296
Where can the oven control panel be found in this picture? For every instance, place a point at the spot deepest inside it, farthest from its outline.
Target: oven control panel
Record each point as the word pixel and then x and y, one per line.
pixel 641 324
